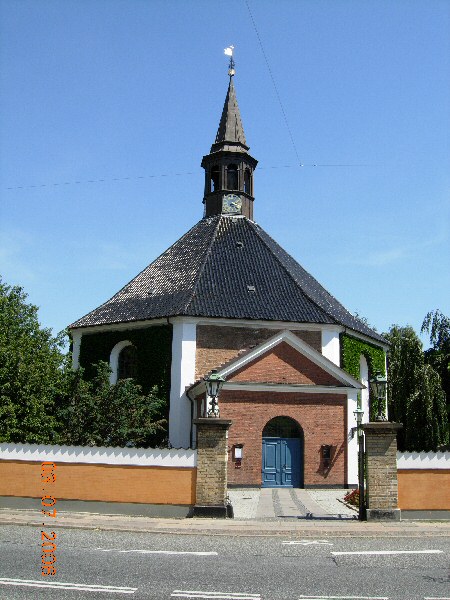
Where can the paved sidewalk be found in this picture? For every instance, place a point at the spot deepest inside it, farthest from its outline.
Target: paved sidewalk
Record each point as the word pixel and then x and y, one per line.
pixel 287 512
pixel 289 503
pixel 298 528
pixel 291 513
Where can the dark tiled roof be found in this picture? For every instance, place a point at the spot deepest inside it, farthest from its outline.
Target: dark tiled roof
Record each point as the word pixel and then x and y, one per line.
pixel 225 267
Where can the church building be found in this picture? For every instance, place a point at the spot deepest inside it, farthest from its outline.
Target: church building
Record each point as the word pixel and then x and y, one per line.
pixel 226 297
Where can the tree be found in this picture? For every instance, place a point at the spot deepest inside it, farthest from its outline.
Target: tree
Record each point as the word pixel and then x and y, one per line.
pixel 96 413
pixel 437 325
pixel 415 394
pixel 42 400
pixel 30 370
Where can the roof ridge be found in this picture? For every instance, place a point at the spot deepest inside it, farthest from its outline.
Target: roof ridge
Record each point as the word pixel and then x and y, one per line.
pixel 202 268
pixel 257 228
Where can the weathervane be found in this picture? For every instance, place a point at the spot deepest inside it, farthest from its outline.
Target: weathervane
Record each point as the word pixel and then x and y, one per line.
pixel 229 52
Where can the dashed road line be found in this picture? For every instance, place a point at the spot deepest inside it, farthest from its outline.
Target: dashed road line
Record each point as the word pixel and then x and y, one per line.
pixel 343 598
pixel 307 543
pixel 214 595
pixel 80 587
pixel 174 552
pixel 386 552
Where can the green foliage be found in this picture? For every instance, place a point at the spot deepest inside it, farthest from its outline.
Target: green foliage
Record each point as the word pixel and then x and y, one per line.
pixel 351 350
pixel 42 400
pixel 426 426
pixel 153 345
pixel 415 395
pixel 437 325
pixel 95 413
pixel 30 370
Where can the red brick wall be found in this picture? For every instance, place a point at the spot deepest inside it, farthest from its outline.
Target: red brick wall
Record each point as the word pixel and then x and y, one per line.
pixel 321 416
pixel 284 364
pixel 217 345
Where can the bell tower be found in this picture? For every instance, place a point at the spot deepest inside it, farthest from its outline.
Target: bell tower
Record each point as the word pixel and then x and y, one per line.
pixel 229 167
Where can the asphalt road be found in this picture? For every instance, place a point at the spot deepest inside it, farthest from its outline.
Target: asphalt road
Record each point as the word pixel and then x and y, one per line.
pixel 172 566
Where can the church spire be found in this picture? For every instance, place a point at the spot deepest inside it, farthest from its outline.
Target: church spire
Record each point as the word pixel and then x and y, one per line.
pixel 228 167
pixel 230 126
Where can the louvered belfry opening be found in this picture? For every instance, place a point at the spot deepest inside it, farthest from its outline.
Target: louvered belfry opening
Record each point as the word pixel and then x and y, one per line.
pixel 229 167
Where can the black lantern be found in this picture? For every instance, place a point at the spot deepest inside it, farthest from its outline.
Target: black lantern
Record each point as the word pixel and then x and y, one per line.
pixel 378 385
pixel 214 383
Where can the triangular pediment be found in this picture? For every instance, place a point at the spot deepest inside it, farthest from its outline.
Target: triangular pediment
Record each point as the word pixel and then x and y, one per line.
pixel 284 364
pixel 285 359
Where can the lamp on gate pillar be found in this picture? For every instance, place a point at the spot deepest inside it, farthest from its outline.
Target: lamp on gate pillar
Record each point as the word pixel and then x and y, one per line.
pixel 378 385
pixel 358 412
pixel 214 383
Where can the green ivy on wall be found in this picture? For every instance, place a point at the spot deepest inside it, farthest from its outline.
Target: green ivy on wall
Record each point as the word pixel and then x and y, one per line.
pixel 154 351
pixel 351 350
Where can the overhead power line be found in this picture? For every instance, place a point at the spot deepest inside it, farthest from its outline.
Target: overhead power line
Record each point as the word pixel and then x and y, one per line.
pixel 274 83
pixel 141 177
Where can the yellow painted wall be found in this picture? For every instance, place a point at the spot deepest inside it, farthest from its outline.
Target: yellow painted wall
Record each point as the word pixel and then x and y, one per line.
pixel 107 483
pixel 424 489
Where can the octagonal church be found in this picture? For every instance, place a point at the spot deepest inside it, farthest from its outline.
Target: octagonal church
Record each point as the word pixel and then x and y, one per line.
pixel 227 297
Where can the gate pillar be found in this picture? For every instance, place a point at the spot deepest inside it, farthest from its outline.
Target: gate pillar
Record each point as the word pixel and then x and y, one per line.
pixel 381 465
pixel 212 460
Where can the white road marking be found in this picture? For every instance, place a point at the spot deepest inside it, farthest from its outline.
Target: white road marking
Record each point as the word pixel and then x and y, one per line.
pixel 216 595
pixel 343 598
pixel 388 552
pixel 435 598
pixel 159 552
pixel 85 587
pixel 307 543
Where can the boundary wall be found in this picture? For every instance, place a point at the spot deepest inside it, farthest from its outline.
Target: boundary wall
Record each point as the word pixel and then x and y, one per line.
pixel 423 481
pixel 98 474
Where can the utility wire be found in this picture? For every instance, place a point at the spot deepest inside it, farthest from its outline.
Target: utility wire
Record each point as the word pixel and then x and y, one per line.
pixel 300 164
pixel 140 177
pixel 274 83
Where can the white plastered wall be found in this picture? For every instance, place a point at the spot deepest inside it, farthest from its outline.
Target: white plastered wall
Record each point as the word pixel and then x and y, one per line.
pixel 331 346
pixel 76 345
pixel 184 341
pixel 352 440
pixel 352 437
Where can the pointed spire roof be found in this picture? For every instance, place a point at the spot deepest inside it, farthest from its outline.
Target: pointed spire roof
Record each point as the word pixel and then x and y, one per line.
pixel 230 127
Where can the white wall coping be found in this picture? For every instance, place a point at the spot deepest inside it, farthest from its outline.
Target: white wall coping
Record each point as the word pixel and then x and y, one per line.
pixel 140 457
pixel 423 460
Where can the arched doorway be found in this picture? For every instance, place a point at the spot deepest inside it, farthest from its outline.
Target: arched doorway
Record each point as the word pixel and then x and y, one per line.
pixel 282 453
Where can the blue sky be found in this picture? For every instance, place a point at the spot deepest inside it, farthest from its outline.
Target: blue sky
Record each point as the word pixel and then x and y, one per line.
pixel 107 107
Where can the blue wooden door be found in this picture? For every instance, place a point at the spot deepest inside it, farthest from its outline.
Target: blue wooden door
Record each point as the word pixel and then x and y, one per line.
pixel 281 462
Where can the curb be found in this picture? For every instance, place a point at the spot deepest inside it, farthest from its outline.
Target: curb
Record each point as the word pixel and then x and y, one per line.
pixel 250 528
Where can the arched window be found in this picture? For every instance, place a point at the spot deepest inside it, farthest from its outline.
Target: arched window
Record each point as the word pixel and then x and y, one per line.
pixel 283 427
pixel 215 179
pixel 116 357
pixel 232 177
pixel 127 363
pixel 247 182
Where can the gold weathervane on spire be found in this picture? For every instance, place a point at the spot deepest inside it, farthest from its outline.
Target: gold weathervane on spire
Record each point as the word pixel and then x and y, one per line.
pixel 229 52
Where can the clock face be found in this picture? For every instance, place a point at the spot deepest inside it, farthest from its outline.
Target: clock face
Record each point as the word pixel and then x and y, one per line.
pixel 231 204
